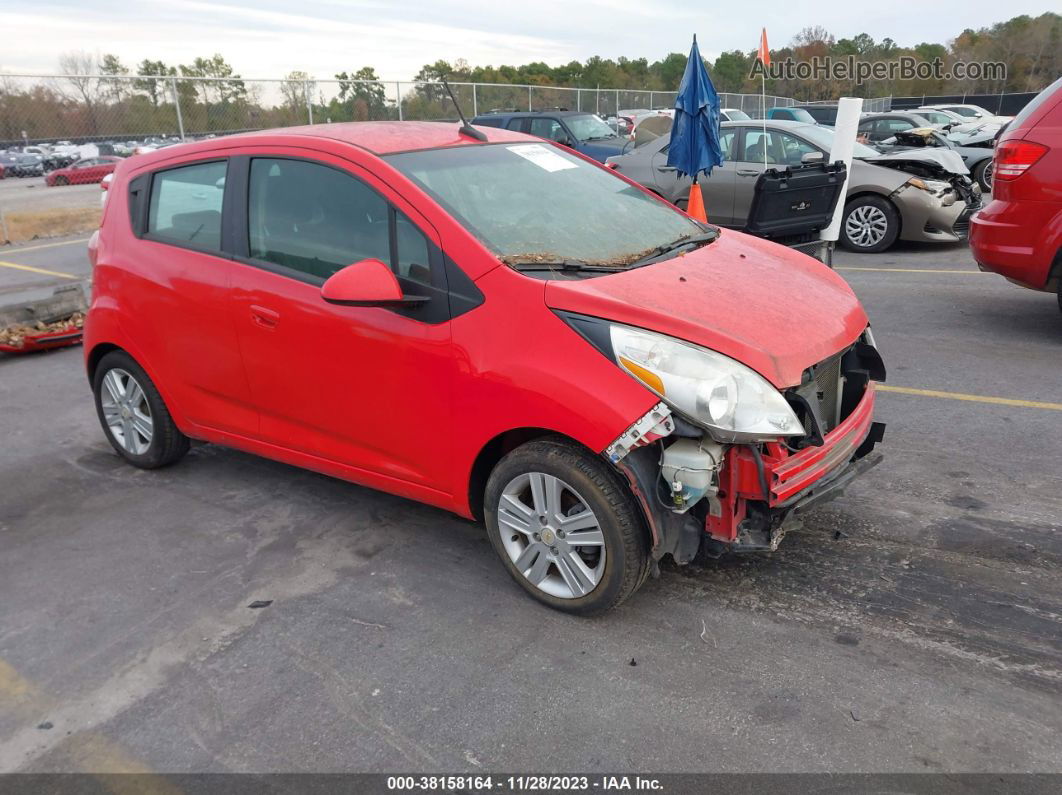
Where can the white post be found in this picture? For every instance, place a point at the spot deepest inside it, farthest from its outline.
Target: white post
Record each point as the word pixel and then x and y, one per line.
pixel 177 105
pixel 529 108
pixel 398 99
pixel 844 138
pixel 309 99
pixel 475 105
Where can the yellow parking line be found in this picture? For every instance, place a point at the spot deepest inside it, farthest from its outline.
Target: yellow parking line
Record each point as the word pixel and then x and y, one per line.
pixel 31 269
pixel 49 245
pixel 909 270
pixel 1026 404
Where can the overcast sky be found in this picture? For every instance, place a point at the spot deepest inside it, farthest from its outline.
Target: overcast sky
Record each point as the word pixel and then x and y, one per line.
pixel 269 38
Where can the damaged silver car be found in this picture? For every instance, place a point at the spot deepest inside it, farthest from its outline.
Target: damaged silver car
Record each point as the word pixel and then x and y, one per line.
pixel 922 195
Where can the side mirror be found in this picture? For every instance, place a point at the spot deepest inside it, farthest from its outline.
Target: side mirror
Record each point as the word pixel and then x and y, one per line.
pixel 812 157
pixel 367 283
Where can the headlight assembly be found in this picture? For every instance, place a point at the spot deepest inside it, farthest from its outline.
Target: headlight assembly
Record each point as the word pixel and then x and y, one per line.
pixel 733 402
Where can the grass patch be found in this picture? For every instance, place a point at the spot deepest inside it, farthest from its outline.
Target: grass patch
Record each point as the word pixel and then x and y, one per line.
pixel 58 222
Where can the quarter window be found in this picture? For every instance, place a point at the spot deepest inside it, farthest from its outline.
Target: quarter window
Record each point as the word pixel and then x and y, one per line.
pixel 185 205
pixel 314 219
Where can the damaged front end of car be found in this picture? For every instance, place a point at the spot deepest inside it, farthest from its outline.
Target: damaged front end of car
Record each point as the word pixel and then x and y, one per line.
pixel 707 491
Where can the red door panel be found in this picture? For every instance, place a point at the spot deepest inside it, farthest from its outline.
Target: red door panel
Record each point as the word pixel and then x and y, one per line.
pixel 183 326
pixel 362 386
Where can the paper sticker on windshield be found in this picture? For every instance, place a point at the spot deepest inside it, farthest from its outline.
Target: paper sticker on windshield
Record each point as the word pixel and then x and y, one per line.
pixel 542 157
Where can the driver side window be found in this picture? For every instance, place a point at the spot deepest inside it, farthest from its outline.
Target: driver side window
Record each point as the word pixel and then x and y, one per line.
pixel 550 129
pixel 313 218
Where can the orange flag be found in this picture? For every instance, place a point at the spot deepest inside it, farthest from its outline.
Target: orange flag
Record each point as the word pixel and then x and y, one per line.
pixel 764 54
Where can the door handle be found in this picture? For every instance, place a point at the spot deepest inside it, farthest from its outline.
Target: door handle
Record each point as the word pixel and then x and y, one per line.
pixel 665 168
pixel 266 318
pixel 748 172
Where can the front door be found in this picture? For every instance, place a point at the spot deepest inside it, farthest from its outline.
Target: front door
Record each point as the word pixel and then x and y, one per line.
pixel 779 150
pixel 367 387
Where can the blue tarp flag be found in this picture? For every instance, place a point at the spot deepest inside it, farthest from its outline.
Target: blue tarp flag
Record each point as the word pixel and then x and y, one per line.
pixel 695 132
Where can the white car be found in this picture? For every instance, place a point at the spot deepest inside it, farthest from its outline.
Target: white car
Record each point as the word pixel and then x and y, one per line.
pixel 733 114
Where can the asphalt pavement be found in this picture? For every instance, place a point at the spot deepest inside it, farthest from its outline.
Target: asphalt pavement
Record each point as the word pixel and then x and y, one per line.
pixel 914 624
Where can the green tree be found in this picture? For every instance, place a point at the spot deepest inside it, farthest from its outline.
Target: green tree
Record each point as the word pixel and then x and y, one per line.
pixel 150 82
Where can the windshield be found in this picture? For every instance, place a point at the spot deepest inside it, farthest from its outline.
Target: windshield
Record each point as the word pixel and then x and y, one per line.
pixel 822 137
pixel 589 128
pixel 963 111
pixel 536 203
pixel 737 115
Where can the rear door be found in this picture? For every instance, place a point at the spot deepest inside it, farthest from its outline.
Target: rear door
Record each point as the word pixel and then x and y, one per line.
pixel 367 387
pixel 717 189
pixel 178 304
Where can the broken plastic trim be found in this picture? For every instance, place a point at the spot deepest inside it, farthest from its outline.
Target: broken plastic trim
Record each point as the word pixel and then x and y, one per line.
pixel 653 425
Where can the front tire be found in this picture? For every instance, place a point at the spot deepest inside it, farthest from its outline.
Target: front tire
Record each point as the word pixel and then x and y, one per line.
pixel 61 180
pixel 566 527
pixel 135 420
pixel 870 225
pixel 982 174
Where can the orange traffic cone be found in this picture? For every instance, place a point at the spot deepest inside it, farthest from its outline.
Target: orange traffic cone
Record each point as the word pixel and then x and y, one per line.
pixel 695 206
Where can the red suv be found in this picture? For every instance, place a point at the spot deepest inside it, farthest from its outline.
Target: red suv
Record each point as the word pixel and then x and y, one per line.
pixel 485 322
pixel 1019 233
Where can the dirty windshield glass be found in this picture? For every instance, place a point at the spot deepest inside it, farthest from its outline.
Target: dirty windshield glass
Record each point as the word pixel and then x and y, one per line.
pixel 589 128
pixel 536 203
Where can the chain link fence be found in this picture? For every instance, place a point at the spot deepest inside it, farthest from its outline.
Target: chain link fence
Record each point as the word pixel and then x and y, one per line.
pixel 127 110
pixel 59 120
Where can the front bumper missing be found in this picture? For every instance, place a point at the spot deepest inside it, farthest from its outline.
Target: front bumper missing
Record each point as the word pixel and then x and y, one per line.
pixel 753 505
pixel 754 508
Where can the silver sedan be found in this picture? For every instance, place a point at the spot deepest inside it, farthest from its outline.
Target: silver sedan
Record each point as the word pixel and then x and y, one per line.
pixel 898 199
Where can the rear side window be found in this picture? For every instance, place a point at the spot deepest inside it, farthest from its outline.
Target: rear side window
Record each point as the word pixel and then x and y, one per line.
pixel 185 205
pixel 488 122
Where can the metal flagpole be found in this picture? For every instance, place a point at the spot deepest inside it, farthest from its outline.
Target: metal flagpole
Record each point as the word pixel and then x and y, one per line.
pixel 763 107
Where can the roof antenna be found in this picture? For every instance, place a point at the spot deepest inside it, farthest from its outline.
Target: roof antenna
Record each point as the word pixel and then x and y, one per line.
pixel 466 128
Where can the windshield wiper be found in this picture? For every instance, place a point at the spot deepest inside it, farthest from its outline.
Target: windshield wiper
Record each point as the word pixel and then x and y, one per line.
pixel 566 265
pixel 675 245
pixel 601 137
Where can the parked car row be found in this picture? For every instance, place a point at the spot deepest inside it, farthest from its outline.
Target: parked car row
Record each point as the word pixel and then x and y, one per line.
pixel 66 163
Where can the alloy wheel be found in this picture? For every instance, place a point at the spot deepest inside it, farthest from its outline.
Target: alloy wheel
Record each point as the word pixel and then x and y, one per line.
pixel 551 535
pixel 866 226
pixel 126 411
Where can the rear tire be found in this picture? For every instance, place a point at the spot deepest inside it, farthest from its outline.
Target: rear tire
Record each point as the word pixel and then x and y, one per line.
pixel 870 224
pixel 540 500
pixel 135 420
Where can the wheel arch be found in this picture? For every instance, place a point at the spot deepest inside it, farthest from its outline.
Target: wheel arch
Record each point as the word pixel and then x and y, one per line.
pixel 493 452
pixel 880 195
pixel 92 361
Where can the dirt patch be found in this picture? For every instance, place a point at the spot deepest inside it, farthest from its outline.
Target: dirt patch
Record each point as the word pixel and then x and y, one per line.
pixel 20 227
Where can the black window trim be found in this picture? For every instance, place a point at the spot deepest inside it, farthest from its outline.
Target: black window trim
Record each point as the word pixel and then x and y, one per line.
pixel 140 207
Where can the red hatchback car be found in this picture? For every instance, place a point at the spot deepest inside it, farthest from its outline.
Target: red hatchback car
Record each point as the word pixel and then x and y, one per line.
pixel 1019 233
pixel 485 322
pixel 84 172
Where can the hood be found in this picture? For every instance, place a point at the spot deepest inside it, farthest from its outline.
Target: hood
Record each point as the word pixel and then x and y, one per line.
pixel 599 150
pixel 771 308
pixel 941 161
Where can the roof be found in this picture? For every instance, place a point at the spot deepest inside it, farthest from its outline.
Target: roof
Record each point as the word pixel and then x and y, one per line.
pixel 378 137
pixel 550 111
